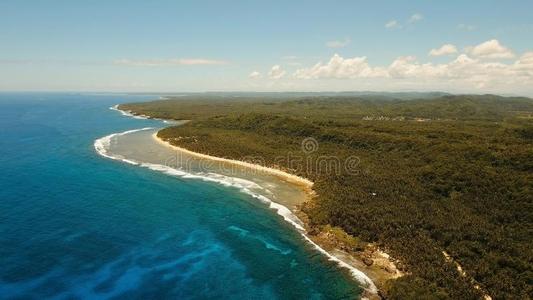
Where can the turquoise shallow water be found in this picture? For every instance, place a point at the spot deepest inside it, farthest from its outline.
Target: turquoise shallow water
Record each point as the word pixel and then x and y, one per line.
pixel 77 225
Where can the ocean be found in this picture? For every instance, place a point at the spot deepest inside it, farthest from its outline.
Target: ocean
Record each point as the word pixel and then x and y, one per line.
pixel 77 225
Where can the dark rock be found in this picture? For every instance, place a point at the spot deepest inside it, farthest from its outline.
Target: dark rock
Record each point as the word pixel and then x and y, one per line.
pixel 368 261
pixel 400 266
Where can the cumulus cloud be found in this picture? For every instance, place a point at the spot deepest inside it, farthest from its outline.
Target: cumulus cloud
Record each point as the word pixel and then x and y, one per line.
pixel 338 44
pixel 526 59
pixel 415 18
pixel 255 75
pixel 467 71
pixel 524 65
pixel 490 49
pixel 276 72
pixel 392 24
pixel 339 67
pixel 409 67
pixel 168 62
pixel 464 70
pixel 445 49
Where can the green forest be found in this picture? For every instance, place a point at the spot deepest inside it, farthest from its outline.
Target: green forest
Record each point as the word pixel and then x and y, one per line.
pixel 448 173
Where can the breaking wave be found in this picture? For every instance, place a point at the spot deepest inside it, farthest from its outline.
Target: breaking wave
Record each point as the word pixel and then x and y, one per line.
pixel 102 145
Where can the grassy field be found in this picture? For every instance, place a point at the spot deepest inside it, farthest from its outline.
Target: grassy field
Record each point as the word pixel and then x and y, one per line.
pixel 418 176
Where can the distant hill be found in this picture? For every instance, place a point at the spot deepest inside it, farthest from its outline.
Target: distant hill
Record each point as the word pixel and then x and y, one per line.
pixel 464 107
pixel 287 95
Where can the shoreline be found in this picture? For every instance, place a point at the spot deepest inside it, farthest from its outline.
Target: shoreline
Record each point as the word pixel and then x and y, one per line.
pixel 371 280
pixel 277 172
pixel 344 259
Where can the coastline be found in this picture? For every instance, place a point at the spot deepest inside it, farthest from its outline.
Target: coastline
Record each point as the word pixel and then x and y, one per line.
pixel 372 278
pixel 308 184
pixel 381 268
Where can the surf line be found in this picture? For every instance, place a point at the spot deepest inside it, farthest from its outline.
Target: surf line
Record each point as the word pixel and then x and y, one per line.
pixel 101 146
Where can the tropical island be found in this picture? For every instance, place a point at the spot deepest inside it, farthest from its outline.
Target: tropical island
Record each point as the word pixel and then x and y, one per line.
pixel 441 183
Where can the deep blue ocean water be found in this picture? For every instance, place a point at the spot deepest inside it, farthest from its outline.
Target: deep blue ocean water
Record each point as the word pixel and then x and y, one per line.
pixel 74 225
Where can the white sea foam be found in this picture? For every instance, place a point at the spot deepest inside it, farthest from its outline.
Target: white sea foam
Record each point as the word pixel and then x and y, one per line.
pixel 102 145
pixel 128 113
pixel 141 117
pixel 356 273
pixel 246 186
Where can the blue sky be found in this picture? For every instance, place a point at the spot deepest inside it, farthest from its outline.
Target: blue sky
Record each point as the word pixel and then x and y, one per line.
pixel 267 45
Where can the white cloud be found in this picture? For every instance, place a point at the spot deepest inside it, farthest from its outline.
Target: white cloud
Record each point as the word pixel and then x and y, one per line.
pixel 526 59
pixel 255 75
pixel 339 67
pixel 168 62
pixel 338 44
pixel 490 49
pixel 415 18
pixel 276 72
pixel 464 71
pixel 392 24
pixel 445 49
pixel 524 65
pixel 409 67
pixel 466 27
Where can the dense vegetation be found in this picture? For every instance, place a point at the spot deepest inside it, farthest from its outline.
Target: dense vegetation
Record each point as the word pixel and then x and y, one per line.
pixel 453 174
